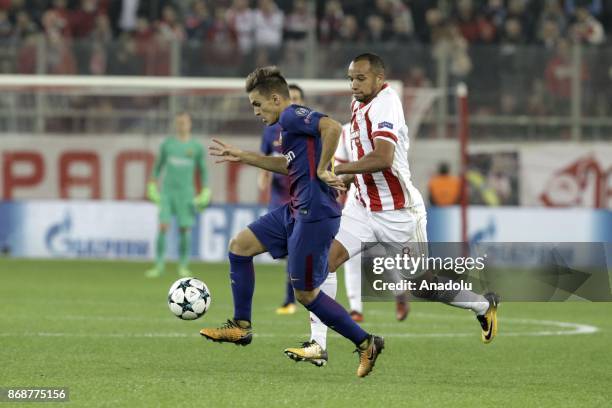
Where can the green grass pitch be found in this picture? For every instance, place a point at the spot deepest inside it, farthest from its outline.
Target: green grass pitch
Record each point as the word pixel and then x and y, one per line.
pixel 104 331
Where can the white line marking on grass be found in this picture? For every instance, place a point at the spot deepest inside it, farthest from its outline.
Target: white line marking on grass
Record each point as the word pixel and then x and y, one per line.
pixel 573 329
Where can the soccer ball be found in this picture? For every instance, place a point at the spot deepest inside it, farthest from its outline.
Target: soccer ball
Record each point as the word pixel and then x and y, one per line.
pixel 189 298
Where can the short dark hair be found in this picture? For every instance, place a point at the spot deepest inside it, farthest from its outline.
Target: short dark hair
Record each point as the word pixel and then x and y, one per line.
pixel 267 80
pixel 296 87
pixel 376 63
pixel 443 168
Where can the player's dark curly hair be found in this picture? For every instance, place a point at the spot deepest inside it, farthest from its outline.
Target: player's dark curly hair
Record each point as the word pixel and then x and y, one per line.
pixel 267 80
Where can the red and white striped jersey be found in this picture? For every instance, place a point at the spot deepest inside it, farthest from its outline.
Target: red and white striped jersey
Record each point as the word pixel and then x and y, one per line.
pixel 383 118
pixel 343 155
pixel 343 151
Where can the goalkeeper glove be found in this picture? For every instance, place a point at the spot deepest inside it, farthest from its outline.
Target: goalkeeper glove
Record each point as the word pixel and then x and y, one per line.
pixel 202 200
pixel 153 192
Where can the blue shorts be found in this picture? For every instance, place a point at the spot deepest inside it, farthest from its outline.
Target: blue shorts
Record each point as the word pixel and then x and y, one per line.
pixel 306 244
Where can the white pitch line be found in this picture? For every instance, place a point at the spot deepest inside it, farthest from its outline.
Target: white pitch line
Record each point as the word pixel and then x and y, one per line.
pixel 574 329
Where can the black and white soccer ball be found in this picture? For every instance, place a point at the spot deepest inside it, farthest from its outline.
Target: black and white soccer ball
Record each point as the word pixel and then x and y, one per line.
pixel 189 298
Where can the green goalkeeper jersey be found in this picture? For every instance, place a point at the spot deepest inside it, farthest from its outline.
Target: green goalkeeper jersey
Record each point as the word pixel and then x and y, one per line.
pixel 176 163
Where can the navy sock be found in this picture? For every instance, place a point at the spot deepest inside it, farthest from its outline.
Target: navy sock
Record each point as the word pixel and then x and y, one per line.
pixel 335 317
pixel 242 276
pixel 289 295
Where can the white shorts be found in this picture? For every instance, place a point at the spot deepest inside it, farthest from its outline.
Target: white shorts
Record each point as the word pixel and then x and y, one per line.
pixel 358 225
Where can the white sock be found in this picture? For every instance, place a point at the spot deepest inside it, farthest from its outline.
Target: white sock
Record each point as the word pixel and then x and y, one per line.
pixel 318 330
pixel 479 307
pixel 352 281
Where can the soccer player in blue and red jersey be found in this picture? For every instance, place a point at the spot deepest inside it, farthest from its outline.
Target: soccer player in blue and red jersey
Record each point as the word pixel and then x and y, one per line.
pixel 278 184
pixel 303 229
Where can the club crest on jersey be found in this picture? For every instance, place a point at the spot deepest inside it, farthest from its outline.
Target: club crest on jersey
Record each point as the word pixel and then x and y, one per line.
pixel 387 125
pixel 301 111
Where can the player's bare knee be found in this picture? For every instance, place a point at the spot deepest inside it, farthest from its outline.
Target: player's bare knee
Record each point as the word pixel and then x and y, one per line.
pixel 163 227
pixel 306 297
pixel 238 247
pixel 245 244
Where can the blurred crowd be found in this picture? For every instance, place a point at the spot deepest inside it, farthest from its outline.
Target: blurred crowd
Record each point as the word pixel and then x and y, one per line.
pixel 500 47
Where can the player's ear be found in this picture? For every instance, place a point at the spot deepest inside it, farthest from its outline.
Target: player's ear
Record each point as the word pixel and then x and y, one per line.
pixel 276 99
pixel 380 79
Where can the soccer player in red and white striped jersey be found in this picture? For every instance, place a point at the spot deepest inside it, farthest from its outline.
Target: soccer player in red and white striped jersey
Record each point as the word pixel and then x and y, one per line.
pixel 386 206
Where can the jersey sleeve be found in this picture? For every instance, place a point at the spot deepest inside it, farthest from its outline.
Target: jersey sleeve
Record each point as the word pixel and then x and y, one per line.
pixel 301 120
pixel 343 153
pixel 160 161
pixel 387 119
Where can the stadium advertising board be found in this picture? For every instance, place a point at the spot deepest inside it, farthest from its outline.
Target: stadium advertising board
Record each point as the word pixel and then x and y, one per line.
pixel 127 230
pixel 116 168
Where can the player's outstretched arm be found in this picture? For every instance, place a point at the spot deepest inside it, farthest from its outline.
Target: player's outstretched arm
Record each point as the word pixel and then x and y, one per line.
pixel 379 159
pixel 228 153
pixel 330 135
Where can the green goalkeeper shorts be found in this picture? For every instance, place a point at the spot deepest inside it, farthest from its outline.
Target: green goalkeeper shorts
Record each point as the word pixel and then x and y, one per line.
pixel 179 205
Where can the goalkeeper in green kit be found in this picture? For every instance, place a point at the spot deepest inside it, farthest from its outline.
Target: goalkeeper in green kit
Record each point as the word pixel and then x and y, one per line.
pixel 176 162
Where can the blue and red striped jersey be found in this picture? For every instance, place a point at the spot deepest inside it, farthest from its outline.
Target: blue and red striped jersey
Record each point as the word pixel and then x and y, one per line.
pixel 311 199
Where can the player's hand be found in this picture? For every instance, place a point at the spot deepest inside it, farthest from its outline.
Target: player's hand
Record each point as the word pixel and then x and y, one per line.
pixel 153 192
pixel 347 179
pixel 202 200
pixel 227 152
pixel 331 180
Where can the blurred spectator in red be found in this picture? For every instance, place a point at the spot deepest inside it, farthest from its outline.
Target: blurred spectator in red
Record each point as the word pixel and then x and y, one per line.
pixel 102 36
pixel 466 20
pixel 59 56
pixel 82 20
pixel 27 54
pixel 158 62
pixel 558 77
pixel 586 28
pixel 57 18
pixel 269 20
pixel 143 35
pixel 330 23
pixel 198 20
